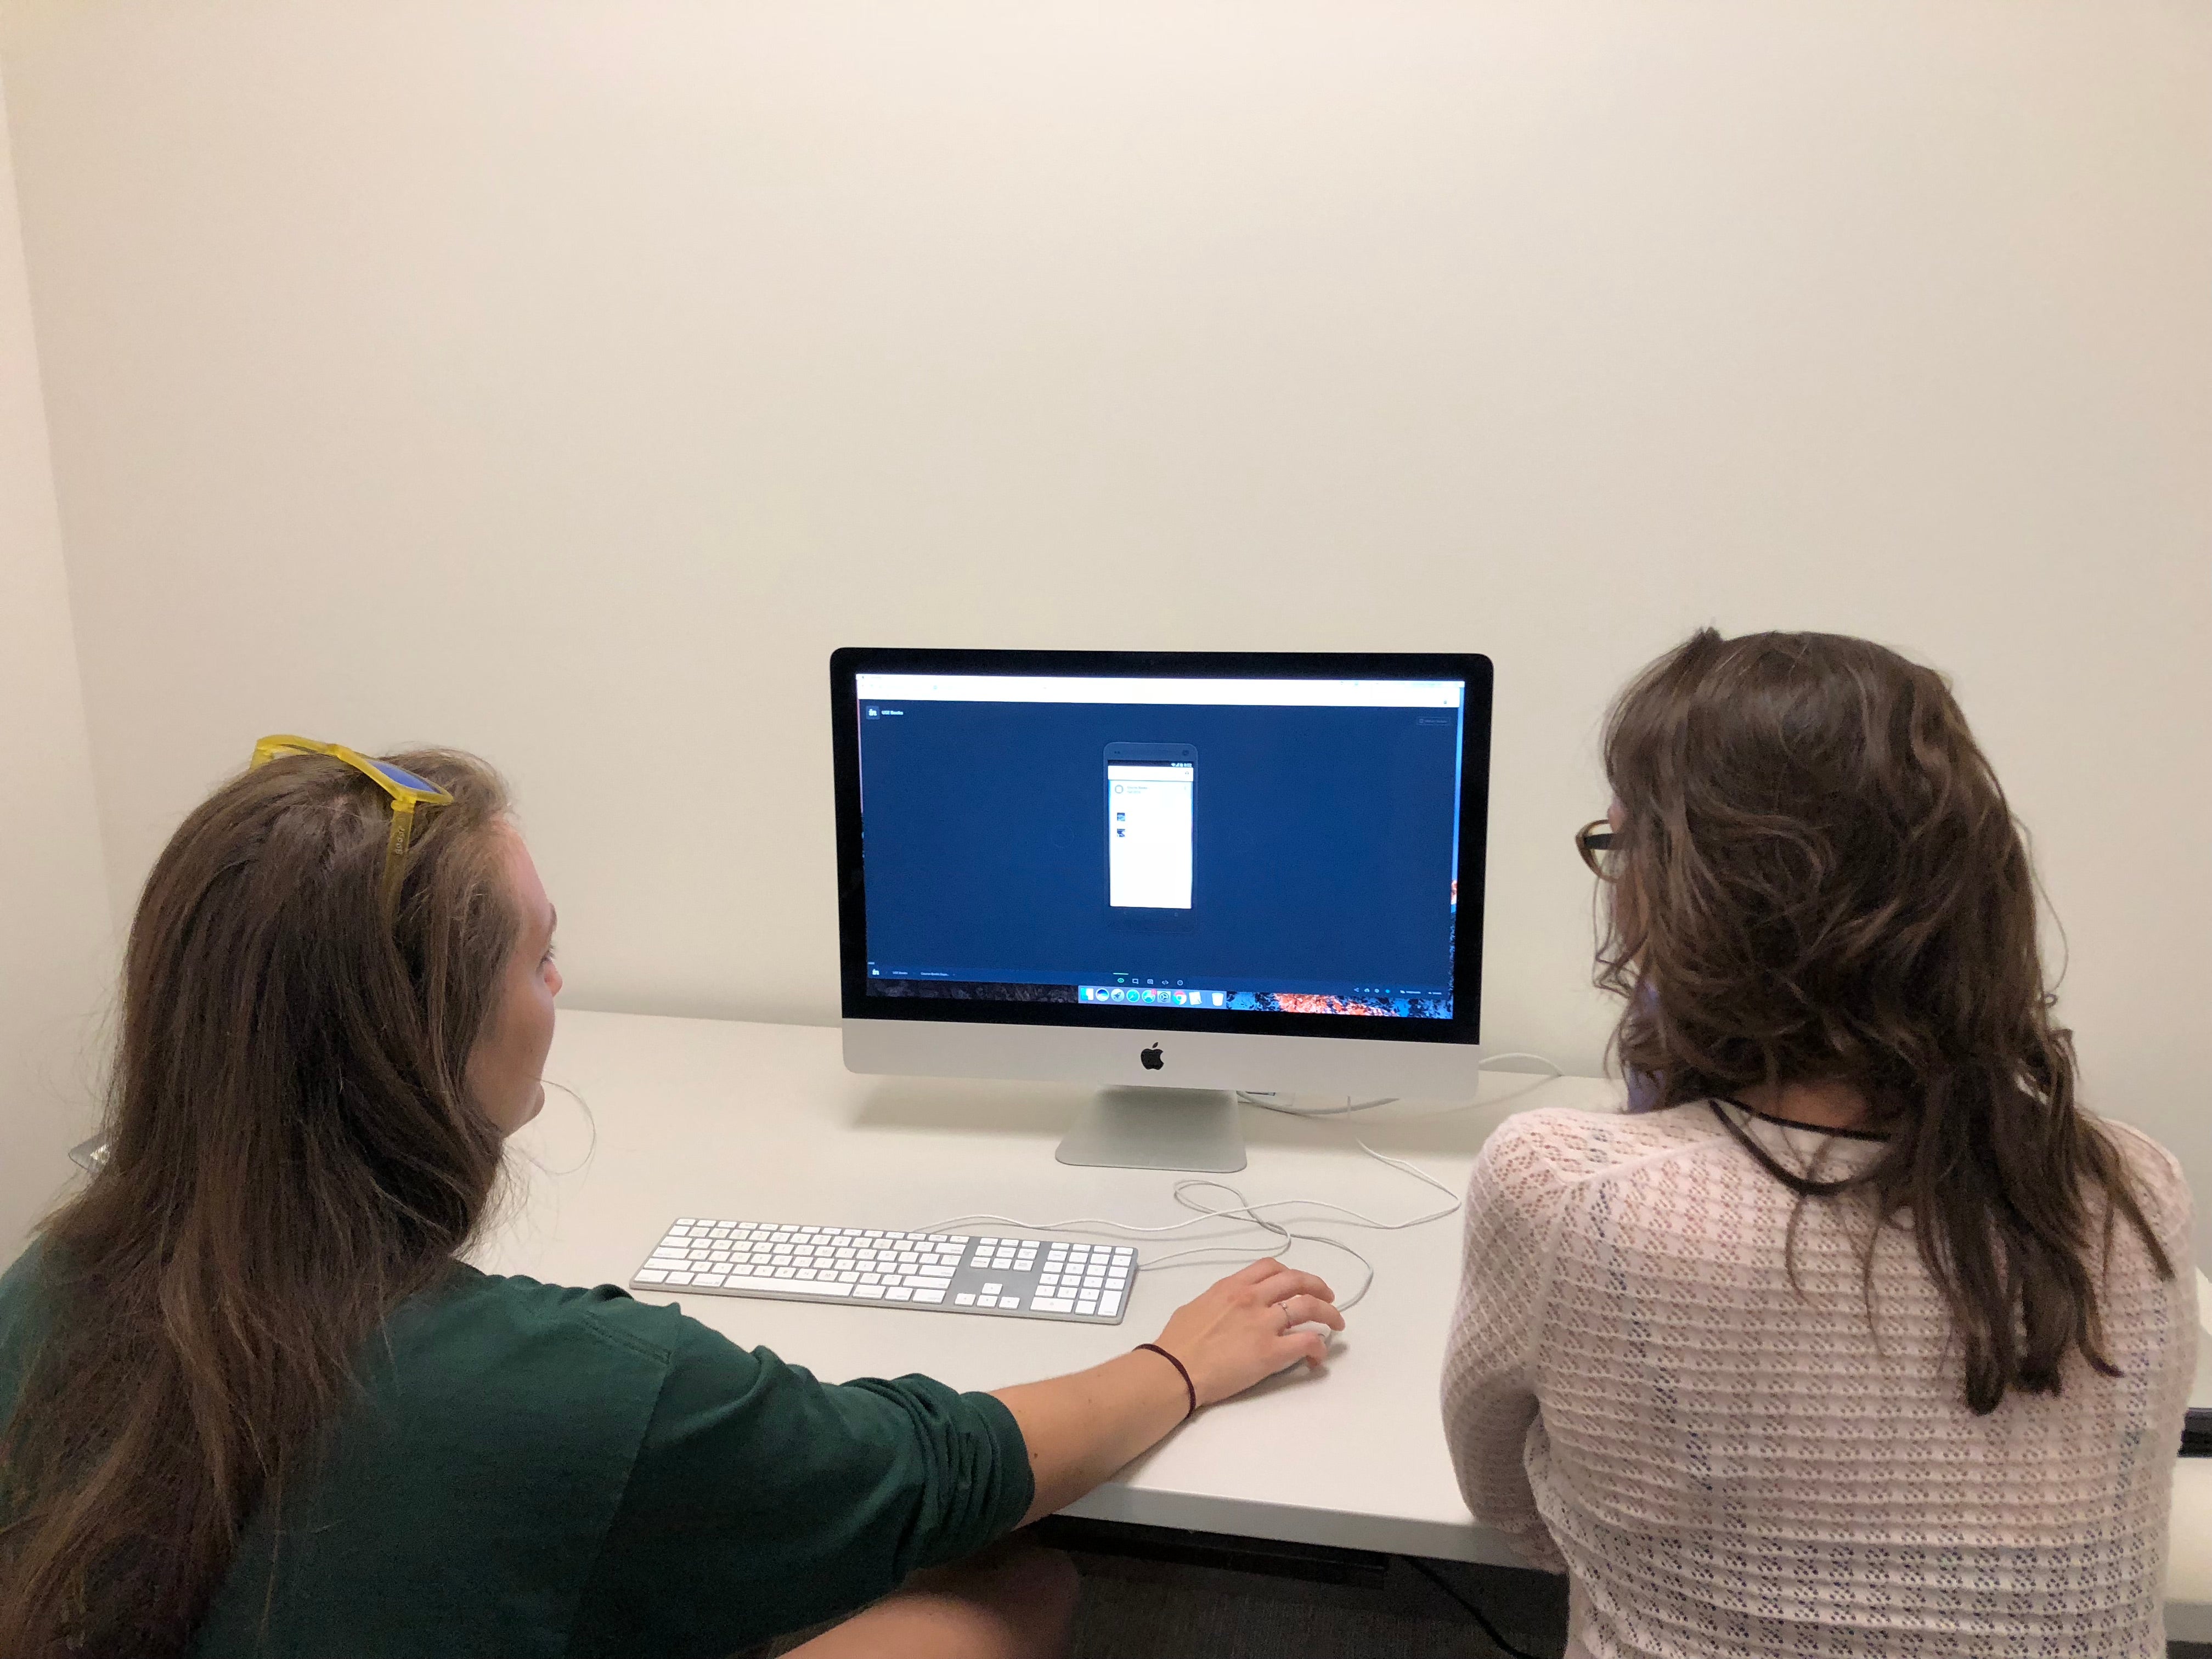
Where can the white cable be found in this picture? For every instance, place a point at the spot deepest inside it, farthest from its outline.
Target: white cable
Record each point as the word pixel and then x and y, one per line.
pixel 1267 1102
pixel 590 1118
pixel 1241 1210
pixel 1249 1214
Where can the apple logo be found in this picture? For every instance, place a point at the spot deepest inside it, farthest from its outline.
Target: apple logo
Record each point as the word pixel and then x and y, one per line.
pixel 1153 1058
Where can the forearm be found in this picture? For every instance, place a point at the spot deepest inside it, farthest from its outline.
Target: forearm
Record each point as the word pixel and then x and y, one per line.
pixel 1080 1429
pixel 1487 1429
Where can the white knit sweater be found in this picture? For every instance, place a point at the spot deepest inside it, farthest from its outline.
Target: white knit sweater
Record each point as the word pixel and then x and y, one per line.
pixel 1635 1394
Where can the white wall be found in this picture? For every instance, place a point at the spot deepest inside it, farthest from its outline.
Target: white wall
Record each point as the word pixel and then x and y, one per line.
pixel 564 379
pixel 55 933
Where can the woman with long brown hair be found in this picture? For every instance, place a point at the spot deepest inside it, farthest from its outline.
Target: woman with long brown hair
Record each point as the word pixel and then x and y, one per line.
pixel 1861 1336
pixel 253 1403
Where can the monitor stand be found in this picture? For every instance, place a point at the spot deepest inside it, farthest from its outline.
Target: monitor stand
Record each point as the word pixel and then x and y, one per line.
pixel 1140 1128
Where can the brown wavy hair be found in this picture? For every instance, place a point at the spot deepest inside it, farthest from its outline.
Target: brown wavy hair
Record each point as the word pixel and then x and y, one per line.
pixel 291 1153
pixel 1820 880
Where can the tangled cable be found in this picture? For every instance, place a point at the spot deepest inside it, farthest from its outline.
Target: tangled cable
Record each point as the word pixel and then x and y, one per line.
pixel 1251 1214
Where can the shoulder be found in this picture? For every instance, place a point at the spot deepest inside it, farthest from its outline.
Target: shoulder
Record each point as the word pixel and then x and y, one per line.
pixel 2155 1171
pixel 510 1326
pixel 24 1312
pixel 1562 1146
pixel 1532 1168
pixel 23 1285
pixel 2146 1159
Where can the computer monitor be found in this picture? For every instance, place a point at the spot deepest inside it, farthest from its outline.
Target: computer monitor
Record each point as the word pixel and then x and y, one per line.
pixel 1171 875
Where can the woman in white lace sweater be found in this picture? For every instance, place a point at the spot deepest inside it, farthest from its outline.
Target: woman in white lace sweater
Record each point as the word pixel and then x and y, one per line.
pixel 1856 1336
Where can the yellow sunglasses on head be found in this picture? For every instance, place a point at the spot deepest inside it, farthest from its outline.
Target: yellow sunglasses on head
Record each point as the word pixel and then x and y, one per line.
pixel 413 799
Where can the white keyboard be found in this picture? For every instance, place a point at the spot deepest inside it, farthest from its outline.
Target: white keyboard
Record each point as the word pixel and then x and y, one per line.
pixel 946 1272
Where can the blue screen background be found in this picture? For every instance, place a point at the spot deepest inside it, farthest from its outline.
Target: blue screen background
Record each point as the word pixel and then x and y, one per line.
pixel 1322 849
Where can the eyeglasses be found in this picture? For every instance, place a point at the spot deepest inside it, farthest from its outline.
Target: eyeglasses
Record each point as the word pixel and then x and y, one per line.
pixel 413 799
pixel 1593 840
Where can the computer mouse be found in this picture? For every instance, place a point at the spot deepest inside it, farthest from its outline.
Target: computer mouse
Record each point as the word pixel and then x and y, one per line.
pixel 1332 1341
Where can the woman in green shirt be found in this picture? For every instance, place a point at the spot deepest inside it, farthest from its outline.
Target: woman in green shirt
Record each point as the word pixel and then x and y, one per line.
pixel 253 1402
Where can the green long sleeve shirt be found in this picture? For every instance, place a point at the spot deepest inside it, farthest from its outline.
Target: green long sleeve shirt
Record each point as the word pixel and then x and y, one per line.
pixel 532 1470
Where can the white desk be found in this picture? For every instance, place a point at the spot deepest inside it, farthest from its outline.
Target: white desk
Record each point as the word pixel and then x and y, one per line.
pixel 702 1117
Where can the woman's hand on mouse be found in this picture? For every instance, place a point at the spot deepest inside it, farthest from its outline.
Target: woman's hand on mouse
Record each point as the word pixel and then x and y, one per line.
pixel 1080 1429
pixel 1251 1326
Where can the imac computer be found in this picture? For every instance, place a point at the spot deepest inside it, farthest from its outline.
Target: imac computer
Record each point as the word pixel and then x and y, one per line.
pixel 1174 876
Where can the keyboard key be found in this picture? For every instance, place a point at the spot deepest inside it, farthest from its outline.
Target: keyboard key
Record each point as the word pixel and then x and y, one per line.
pixel 1111 1304
pixel 651 1275
pixel 874 1291
pixel 1052 1304
pixel 965 1299
pixel 929 1295
pixel 898 1293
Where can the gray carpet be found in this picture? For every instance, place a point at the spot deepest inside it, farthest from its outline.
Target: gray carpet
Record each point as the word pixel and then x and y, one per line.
pixel 1151 1610
pixel 1144 1610
pixel 1137 1609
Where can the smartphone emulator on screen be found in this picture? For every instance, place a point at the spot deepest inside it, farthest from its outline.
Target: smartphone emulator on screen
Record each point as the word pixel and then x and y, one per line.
pixel 1152 819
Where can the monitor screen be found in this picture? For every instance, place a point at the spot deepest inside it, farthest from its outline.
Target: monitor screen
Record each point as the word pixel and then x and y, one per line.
pixel 1229 849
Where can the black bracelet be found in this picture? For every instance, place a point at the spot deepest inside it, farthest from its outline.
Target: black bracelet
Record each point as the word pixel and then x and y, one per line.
pixel 1188 1387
